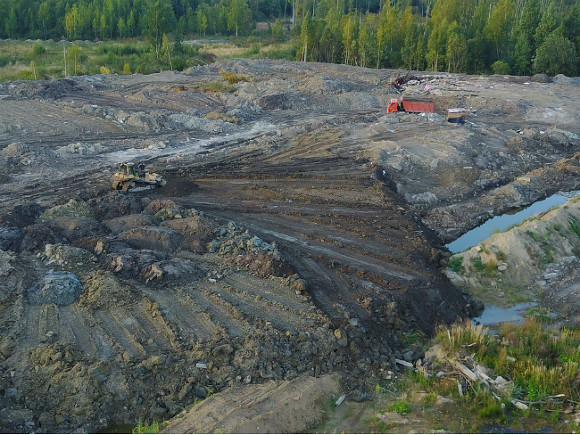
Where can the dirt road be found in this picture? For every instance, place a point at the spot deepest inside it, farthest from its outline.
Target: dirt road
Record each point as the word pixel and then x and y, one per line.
pixel 300 232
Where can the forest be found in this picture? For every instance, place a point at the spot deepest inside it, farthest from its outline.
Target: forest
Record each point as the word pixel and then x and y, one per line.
pixel 519 37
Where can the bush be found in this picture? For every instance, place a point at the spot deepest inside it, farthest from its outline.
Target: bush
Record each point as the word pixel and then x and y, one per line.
pixel 38 50
pixel 501 67
pixel 491 411
pixel 26 75
pixel 556 55
pixel 146 428
pixel 232 77
pixel 401 407
pixel 456 264
pixel 179 63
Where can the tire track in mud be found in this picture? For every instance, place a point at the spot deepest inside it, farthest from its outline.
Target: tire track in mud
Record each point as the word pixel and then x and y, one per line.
pixel 318 232
pixel 217 310
pixel 266 313
pixel 277 294
pixel 190 323
pixel 74 330
pixel 114 328
pixel 156 328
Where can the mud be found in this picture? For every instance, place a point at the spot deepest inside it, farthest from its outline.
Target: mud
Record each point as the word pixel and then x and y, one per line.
pixel 300 233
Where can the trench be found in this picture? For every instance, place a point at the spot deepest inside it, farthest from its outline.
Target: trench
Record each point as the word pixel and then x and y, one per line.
pixel 507 220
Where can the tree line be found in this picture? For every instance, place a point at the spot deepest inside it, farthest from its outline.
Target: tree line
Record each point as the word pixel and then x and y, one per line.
pixel 500 36
pixel 473 36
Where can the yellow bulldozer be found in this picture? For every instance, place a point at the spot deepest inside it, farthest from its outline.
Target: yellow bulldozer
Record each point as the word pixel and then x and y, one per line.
pixel 136 178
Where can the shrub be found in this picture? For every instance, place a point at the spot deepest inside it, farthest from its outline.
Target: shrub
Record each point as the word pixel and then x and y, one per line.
pixel 146 428
pixel 232 77
pixel 478 264
pixel 491 411
pixel 38 50
pixel 401 407
pixel 456 264
pixel 500 67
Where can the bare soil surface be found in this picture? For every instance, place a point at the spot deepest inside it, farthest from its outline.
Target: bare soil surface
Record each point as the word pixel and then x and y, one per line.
pixel 300 233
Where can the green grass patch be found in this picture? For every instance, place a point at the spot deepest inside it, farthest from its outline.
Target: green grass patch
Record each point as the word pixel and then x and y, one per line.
pixel 401 407
pixel 232 78
pixel 478 263
pixel 88 58
pixel 414 337
pixel 542 362
pixel 456 264
pixel 146 427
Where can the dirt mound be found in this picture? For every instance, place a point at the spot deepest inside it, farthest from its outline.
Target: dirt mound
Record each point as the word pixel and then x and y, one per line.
pixel 22 215
pixel 103 289
pixel 158 205
pixel 541 78
pixel 48 89
pixel 197 231
pixel 77 228
pixel 133 261
pixel 73 208
pixel 263 264
pixel 154 238
pixel 124 223
pixel 60 288
pixel 10 239
pixel 258 408
pixel 37 236
pixel 115 204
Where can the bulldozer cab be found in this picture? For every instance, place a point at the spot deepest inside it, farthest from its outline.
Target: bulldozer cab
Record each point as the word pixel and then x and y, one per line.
pixel 128 168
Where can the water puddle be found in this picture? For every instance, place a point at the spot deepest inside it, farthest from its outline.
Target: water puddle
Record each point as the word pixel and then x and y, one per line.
pixel 507 220
pixel 493 315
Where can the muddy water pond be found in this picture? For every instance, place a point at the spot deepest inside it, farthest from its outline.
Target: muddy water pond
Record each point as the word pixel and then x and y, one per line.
pixel 507 220
pixel 493 315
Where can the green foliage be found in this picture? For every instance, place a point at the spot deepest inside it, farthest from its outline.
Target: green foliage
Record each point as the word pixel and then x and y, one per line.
pixel 414 337
pixel 501 67
pixel 146 428
pixel 232 77
pixel 215 87
pixel 478 263
pixel 533 235
pixel 447 35
pixel 575 226
pixel 556 55
pixel 278 31
pixel 456 264
pixel 401 407
pixel 38 50
pixel 491 411
pixel 541 362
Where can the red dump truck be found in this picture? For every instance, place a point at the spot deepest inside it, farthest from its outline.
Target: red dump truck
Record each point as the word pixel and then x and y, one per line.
pixel 411 105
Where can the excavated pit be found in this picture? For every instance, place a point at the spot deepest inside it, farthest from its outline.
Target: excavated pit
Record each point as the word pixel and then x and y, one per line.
pixel 306 238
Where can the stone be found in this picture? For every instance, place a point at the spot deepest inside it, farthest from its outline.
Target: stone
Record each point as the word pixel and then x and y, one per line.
pixel 60 288
pixel 184 391
pixel 440 400
pixel 201 392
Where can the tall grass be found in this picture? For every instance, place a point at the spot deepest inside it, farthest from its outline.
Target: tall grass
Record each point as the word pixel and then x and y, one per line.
pixel 541 362
pixel 122 57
